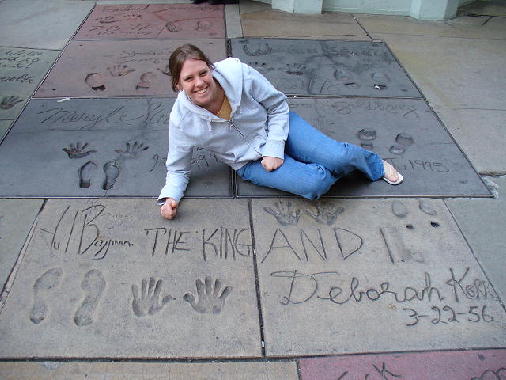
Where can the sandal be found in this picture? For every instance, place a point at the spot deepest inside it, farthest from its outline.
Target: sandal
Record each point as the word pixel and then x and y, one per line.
pixel 391 175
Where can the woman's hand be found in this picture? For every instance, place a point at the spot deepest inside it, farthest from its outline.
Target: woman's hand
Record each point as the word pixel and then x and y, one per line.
pixel 271 163
pixel 168 210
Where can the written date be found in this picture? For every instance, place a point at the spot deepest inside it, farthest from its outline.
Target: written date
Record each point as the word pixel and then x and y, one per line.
pixel 447 314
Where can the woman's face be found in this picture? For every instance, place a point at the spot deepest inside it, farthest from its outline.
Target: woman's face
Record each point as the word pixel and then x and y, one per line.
pixel 198 83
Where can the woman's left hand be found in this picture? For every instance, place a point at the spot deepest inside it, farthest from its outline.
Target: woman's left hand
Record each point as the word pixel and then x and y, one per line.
pixel 271 163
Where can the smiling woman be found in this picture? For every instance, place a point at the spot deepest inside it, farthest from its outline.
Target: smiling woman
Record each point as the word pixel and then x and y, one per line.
pixel 231 110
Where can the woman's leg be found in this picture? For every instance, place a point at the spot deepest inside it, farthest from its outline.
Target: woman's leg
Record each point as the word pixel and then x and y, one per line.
pixel 307 180
pixel 307 144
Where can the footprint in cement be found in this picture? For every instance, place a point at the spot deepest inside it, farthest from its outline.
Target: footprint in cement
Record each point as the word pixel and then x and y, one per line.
pixel 93 285
pixel 425 207
pixel 399 209
pixel 49 280
pixel 146 80
pixel 95 81
pixel 85 174
pixel 111 171
pixel 403 141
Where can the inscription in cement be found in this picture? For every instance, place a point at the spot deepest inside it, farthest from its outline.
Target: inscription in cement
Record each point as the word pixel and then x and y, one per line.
pixel 98 147
pixel 405 132
pixel 16 217
pixel 118 68
pixel 404 279
pixel 21 70
pixel 326 67
pixel 154 21
pixel 120 281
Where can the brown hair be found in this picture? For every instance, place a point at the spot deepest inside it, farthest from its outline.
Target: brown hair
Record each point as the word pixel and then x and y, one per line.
pixel 180 55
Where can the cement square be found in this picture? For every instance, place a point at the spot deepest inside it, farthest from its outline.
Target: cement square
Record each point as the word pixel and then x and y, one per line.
pixel 272 23
pixel 174 21
pixel 450 365
pixel 16 218
pixel 355 276
pixel 21 71
pixel 4 127
pixel 111 278
pixel 98 147
pixel 41 24
pixel 405 132
pixel 124 371
pixel 454 72
pixel 118 68
pixel 482 222
pixel 326 67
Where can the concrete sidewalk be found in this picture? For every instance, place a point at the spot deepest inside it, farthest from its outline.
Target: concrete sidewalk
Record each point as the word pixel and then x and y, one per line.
pixel 246 287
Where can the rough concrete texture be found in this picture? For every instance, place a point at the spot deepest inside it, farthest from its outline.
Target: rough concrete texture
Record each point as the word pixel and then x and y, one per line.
pixel 252 6
pixel 98 147
pixel 41 24
pixel 474 129
pixel 271 23
pixel 118 68
pixel 454 72
pixel 127 371
pixel 363 275
pixel 161 21
pixel 456 365
pixel 16 218
pixel 4 126
pixel 233 21
pixel 405 132
pixel 326 67
pixel 113 279
pixel 461 27
pixel 21 71
pixel 482 221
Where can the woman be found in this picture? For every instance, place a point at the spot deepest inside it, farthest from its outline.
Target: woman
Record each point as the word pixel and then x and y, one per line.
pixel 233 111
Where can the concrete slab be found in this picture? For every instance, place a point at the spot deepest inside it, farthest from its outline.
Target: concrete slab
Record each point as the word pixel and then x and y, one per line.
pixel 41 24
pixel 462 124
pixel 173 21
pixel 454 72
pixel 113 279
pixel 462 27
pixel 251 6
pixel 233 21
pixel 98 147
pixel 21 71
pixel 118 68
pixel 125 371
pixel 404 280
pixel 16 218
pixel 331 67
pixel 405 132
pixel 482 222
pixel 4 126
pixel 271 23
pixel 453 365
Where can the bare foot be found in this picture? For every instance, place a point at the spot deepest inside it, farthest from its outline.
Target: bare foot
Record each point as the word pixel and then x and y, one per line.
pixel 391 175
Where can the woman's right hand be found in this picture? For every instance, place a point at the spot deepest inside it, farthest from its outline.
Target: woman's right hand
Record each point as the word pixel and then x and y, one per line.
pixel 168 210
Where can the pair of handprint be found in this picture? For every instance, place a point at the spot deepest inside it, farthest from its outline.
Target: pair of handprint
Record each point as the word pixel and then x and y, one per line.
pixel 287 215
pixel 147 301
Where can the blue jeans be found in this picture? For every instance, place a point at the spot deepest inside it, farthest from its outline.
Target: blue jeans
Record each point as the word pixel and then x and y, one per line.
pixel 313 162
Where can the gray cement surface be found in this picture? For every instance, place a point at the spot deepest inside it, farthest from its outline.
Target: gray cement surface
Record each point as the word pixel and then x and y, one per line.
pixel 118 68
pixel 98 147
pixel 405 132
pixel 127 371
pixel 40 24
pixel 16 218
pixel 482 221
pixel 319 67
pixel 365 276
pixel 4 126
pixel 21 71
pixel 161 21
pixel 113 279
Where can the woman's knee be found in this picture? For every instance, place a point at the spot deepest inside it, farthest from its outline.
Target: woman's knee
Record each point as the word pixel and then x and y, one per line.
pixel 317 184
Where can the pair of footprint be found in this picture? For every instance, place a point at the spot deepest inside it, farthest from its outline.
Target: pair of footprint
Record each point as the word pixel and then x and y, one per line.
pixel 402 141
pixel 111 171
pixel 93 285
pixel 97 81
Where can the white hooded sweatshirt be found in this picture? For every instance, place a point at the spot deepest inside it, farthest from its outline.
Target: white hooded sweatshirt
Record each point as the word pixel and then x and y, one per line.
pixel 258 125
